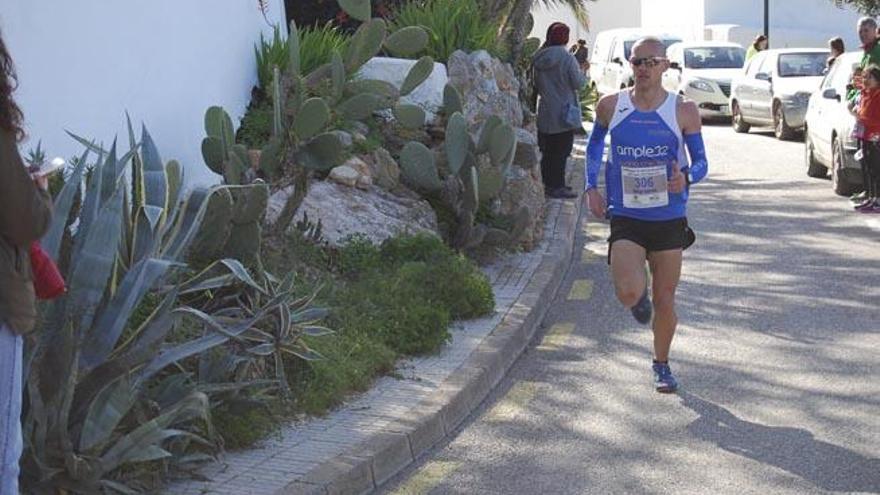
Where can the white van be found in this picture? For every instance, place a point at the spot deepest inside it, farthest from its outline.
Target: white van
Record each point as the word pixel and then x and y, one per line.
pixel 609 69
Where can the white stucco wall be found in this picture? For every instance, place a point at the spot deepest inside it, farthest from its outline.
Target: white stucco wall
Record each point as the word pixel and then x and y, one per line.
pixel 81 64
pixel 792 22
pixel 687 20
pixel 808 23
pixel 604 14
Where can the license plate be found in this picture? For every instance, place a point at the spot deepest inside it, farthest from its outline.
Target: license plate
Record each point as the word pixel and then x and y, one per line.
pixel 724 108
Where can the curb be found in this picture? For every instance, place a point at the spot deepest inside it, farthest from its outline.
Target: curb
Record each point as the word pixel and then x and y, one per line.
pixel 369 464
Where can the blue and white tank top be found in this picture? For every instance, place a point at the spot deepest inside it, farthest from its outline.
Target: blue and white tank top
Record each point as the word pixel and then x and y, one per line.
pixel 644 146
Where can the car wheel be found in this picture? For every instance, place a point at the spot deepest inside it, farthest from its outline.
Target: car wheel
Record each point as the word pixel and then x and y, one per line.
pixel 739 125
pixel 838 181
pixel 814 168
pixel 780 127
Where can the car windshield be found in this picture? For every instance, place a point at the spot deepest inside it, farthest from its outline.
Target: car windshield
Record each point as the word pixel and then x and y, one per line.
pixel 627 45
pixel 801 64
pixel 714 57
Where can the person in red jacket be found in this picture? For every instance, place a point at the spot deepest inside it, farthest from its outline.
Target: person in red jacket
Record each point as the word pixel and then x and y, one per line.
pixel 868 114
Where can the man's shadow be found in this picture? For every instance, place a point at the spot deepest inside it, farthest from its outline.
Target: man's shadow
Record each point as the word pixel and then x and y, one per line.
pixel 795 450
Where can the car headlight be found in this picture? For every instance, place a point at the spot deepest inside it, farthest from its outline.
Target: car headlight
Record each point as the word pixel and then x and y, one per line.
pixel 701 85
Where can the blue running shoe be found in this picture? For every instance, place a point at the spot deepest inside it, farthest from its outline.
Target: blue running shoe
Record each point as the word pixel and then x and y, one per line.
pixel 664 382
pixel 643 310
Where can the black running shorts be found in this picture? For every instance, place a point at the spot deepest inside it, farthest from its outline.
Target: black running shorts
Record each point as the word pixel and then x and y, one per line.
pixel 653 236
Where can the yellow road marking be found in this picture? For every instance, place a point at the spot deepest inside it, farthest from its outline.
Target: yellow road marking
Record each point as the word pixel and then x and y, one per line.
pixel 427 478
pixel 556 337
pixel 590 256
pixel 581 290
pixel 516 400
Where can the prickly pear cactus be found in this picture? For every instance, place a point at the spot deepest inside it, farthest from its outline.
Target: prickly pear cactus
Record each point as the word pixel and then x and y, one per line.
pixel 418 167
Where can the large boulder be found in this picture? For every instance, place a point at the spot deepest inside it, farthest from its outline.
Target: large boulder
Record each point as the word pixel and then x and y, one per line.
pixel 428 95
pixel 487 86
pixel 376 213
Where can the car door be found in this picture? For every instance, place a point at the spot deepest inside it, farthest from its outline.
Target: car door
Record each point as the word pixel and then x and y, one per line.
pixel 741 87
pixel 762 90
pixel 822 109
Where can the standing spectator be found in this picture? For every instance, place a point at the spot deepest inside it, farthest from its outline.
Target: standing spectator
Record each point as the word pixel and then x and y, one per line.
pixel 582 55
pixel 760 44
pixel 837 48
pixel 868 113
pixel 867 28
pixel 25 213
pixel 558 79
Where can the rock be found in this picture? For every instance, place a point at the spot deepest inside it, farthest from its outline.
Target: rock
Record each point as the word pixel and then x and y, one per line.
pixel 527 153
pixel 487 86
pixel 358 138
pixel 344 137
pixel 345 175
pixel 429 94
pixel 376 213
pixel 359 128
pixel 384 170
pixel 364 182
pixel 524 188
pixel 359 165
pixel 276 204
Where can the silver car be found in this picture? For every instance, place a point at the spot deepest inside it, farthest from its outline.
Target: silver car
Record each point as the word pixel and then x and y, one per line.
pixel 775 88
pixel 828 141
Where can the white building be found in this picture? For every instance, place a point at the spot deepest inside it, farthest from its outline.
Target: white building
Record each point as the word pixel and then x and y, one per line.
pixel 81 64
pixel 802 23
pixel 808 23
pixel 604 14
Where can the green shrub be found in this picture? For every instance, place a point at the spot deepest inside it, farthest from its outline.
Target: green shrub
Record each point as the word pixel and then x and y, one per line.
pixel 418 247
pixel 242 425
pixel 451 25
pixel 352 360
pixel 268 55
pixel 357 255
pixel 318 44
pixel 391 308
pixel 256 125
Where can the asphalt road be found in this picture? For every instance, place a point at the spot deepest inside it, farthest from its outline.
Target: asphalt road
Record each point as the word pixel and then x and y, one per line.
pixel 777 353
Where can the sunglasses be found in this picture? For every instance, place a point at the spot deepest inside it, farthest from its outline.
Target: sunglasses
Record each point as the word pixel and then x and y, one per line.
pixel 648 62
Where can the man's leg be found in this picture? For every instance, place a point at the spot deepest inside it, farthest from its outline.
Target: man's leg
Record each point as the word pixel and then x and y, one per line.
pixel 628 271
pixel 665 272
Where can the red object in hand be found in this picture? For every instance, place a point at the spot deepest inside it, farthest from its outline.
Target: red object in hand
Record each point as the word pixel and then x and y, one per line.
pixel 48 282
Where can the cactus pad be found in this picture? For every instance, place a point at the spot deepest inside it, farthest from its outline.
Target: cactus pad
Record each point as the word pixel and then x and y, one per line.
pixel 486 132
pixel 491 182
pixel 407 41
pixel 417 75
pixel 359 9
pixel 502 145
pixel 451 100
pixel 365 44
pixel 311 118
pixel 418 166
pixel 360 106
pixel 323 152
pixel 457 142
pixel 410 116
pixel 213 154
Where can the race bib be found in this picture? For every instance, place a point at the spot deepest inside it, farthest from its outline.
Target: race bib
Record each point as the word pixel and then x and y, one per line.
pixel 644 187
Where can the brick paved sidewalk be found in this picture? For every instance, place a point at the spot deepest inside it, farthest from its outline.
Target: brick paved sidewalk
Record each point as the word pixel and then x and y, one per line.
pixel 362 444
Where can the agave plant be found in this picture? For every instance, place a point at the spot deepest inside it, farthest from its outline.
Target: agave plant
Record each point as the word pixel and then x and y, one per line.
pixel 87 412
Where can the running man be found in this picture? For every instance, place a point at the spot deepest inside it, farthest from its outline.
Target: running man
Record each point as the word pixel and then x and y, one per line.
pixel 647 179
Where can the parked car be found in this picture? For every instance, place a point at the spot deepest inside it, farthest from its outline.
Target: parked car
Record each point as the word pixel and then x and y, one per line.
pixel 828 142
pixel 702 71
pixel 609 64
pixel 774 89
